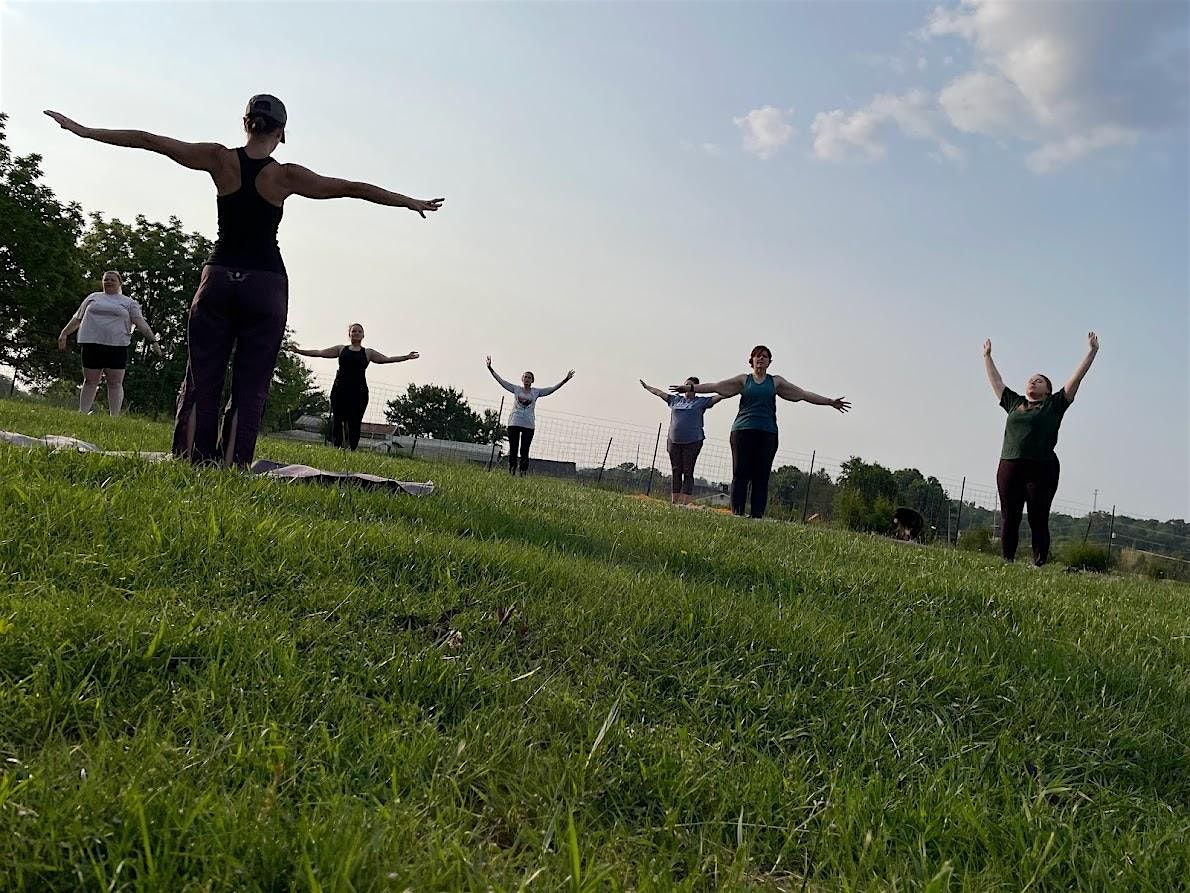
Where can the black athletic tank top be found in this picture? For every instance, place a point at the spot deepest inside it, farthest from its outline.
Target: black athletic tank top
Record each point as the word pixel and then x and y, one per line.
pixel 352 364
pixel 248 224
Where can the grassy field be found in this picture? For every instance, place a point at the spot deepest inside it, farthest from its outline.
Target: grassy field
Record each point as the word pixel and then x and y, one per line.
pixel 214 682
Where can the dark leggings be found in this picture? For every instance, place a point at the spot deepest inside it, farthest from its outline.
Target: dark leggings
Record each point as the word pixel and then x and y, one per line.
pixel 518 435
pixel 1032 481
pixel 244 310
pixel 347 414
pixel 752 454
pixel 682 458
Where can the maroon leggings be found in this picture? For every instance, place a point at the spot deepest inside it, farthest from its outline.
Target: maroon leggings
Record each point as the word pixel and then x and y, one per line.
pixel 1032 481
pixel 244 310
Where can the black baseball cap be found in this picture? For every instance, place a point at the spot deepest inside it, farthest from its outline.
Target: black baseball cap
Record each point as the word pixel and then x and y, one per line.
pixel 269 106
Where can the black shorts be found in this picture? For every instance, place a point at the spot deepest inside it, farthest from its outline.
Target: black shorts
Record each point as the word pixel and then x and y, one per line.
pixel 104 356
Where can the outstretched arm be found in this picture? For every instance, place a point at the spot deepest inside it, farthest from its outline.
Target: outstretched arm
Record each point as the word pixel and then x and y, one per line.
pixel 989 366
pixel 1084 366
pixel 545 392
pixel 329 352
pixel 73 326
pixel 377 357
pixel 787 390
pixel 196 156
pixel 70 329
pixel 729 387
pixel 298 180
pixel 142 326
pixel 507 385
pixel 655 391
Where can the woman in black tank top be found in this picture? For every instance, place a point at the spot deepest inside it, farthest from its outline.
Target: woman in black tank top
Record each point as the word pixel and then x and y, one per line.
pixel 239 312
pixel 349 394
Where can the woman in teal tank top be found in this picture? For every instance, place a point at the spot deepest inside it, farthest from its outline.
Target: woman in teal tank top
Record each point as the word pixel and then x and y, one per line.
pixel 754 432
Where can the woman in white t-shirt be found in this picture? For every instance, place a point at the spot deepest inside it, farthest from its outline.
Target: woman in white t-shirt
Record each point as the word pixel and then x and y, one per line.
pixel 522 421
pixel 104 322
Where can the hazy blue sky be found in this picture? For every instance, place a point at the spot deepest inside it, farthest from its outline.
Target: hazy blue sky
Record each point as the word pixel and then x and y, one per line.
pixel 871 189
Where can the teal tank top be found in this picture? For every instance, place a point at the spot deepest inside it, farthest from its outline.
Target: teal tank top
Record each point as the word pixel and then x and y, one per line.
pixel 758 406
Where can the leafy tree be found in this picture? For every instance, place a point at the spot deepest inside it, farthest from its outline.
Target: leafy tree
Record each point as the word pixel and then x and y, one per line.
pixel 39 269
pixel 871 480
pixel 444 414
pixel 787 492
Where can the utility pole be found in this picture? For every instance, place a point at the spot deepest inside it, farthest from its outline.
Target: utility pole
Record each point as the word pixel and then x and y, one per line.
pixel 1094 505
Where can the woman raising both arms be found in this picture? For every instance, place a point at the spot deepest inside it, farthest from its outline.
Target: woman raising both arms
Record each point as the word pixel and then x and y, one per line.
pixel 522 420
pixel 1028 469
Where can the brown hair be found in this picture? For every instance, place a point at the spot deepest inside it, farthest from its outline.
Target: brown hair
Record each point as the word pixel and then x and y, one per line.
pixel 757 351
pixel 262 124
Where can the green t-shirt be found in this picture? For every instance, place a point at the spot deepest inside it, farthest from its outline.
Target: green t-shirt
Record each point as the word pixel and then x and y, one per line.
pixel 1032 432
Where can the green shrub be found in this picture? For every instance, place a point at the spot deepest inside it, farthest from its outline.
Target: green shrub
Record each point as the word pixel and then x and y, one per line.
pixel 978 539
pixel 1086 557
pixel 850 510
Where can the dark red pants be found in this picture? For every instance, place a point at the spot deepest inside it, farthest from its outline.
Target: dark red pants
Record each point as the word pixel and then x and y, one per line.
pixel 240 311
pixel 1031 481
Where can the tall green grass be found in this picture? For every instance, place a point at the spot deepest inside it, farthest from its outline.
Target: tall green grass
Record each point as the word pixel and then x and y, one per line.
pixel 210 681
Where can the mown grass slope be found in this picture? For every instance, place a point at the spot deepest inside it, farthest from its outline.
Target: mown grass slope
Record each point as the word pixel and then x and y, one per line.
pixel 212 681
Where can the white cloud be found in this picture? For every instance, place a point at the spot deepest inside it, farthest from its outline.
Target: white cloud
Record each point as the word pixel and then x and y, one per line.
pixel 980 102
pixel 712 149
pixel 1053 155
pixel 948 151
pixel 1073 77
pixel 1066 79
pixel 765 130
pixel 840 135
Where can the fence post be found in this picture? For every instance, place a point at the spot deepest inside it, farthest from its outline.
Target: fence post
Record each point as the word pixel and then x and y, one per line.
pixel 995 512
pixel 413 447
pixel 495 431
pixel 604 465
pixel 1111 533
pixel 809 484
pixel 958 522
pixel 656 444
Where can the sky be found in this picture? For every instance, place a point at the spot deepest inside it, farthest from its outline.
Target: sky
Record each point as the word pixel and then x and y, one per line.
pixel 648 190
